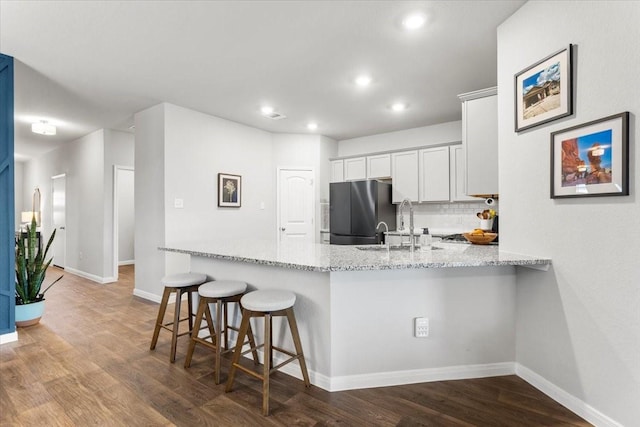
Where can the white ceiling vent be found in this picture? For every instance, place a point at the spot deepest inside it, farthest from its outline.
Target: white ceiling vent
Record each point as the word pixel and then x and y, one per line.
pixel 275 116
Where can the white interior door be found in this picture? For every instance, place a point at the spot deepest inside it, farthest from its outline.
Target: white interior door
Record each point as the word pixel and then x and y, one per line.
pixel 296 205
pixel 124 217
pixel 58 198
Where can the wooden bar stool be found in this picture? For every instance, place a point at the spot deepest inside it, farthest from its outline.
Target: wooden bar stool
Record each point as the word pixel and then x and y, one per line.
pixel 220 293
pixel 267 304
pixel 180 284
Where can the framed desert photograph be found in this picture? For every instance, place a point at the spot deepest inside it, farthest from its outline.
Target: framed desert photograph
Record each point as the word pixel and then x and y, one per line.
pixel 229 190
pixel 544 91
pixel 591 159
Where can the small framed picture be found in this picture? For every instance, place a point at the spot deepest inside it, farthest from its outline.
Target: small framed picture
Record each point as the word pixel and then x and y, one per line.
pixel 544 91
pixel 591 159
pixel 229 190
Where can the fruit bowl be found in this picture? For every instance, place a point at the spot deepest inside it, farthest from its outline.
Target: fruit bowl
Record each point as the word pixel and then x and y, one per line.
pixel 480 239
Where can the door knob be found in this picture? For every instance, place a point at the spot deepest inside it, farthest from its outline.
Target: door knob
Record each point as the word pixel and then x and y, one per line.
pixel 282 228
pixel 62 228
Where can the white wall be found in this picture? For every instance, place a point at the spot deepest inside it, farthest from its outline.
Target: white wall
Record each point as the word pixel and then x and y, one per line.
pixel 18 192
pixel 87 163
pixel 118 150
pixel 578 325
pixel 126 216
pixel 149 201
pixel 409 138
pixel 82 161
pixel 179 153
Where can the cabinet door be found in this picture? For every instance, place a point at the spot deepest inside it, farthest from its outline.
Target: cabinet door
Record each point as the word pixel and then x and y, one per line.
pixel 480 138
pixel 379 166
pixel 337 171
pixel 434 174
pixel 457 175
pixel 355 169
pixel 404 176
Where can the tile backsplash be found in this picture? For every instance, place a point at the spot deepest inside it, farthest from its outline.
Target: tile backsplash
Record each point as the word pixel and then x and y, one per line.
pixel 447 217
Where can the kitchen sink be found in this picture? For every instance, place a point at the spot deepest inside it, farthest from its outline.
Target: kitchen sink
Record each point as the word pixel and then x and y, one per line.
pixel 391 248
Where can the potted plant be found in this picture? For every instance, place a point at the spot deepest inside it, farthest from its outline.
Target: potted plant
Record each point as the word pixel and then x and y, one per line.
pixel 31 268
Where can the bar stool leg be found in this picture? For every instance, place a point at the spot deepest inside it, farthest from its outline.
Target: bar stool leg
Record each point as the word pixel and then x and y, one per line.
pixel 298 345
pixel 190 303
pixel 212 330
pixel 176 321
pixel 194 332
pixel 244 327
pixel 268 359
pixel 219 326
pixel 160 319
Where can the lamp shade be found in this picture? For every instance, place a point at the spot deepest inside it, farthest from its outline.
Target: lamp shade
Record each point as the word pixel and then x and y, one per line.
pixel 26 217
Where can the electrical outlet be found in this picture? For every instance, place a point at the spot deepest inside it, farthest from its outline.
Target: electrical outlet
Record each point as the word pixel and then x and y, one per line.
pixel 421 327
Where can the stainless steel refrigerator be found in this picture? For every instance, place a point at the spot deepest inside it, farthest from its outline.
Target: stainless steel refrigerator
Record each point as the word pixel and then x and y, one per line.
pixel 355 208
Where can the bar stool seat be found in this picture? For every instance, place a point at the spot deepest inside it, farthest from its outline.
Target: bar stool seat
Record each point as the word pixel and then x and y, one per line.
pixel 220 293
pixel 267 304
pixel 182 283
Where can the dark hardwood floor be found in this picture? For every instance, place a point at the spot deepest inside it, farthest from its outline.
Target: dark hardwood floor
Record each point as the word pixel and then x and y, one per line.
pixel 88 363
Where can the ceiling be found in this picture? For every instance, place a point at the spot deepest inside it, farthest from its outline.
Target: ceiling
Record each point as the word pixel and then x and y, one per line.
pixel 89 65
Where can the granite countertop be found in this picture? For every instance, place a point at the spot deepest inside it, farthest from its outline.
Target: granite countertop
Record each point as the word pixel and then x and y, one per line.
pixel 324 258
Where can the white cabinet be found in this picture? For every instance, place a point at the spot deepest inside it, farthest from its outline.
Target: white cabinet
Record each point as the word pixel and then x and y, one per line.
pixel 434 174
pixel 337 170
pixel 379 166
pixel 355 168
pixel 480 140
pixel 404 176
pixel 457 175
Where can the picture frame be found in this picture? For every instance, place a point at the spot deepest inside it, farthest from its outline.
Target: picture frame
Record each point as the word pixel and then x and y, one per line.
pixel 544 90
pixel 591 159
pixel 229 190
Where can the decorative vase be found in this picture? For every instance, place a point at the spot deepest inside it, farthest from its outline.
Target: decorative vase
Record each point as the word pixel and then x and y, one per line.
pixel 486 224
pixel 29 314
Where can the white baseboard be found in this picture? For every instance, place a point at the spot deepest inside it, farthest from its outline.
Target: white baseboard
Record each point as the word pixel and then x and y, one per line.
pixel 127 262
pixel 384 379
pixel 153 297
pixel 10 337
pixel 566 399
pixel 92 277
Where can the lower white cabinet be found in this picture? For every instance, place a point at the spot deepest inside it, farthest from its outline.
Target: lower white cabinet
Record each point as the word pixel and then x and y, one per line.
pixel 458 171
pixel 404 176
pixel 434 174
pixel 337 170
pixel 355 168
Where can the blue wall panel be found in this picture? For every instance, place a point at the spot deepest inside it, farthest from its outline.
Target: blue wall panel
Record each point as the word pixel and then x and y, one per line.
pixel 7 220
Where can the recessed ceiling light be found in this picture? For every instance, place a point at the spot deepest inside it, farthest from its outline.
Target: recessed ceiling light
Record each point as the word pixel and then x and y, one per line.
pixel 414 21
pixel 312 126
pixel 363 80
pixel 43 128
pixel 399 106
pixel 266 110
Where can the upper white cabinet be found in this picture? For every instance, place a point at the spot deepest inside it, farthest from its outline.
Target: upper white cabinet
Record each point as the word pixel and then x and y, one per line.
pixel 434 174
pixel 480 140
pixel 337 170
pixel 355 168
pixel 458 169
pixel 404 175
pixel 379 166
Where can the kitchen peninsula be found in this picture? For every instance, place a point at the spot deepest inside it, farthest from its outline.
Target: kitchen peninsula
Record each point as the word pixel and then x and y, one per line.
pixel 355 308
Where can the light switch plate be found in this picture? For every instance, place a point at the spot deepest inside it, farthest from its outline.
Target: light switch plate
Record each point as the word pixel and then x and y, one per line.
pixel 178 203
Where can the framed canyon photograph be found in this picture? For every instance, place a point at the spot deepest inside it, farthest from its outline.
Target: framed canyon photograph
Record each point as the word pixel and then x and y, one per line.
pixel 591 159
pixel 544 91
pixel 229 190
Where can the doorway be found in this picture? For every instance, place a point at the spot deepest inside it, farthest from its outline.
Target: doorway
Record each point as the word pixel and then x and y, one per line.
pixel 296 205
pixel 59 218
pixel 123 217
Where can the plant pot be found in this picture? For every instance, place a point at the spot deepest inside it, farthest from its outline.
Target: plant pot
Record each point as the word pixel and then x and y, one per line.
pixel 29 314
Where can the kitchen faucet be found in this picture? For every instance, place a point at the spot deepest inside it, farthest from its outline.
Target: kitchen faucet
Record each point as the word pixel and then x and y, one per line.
pixel 386 238
pixel 411 234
